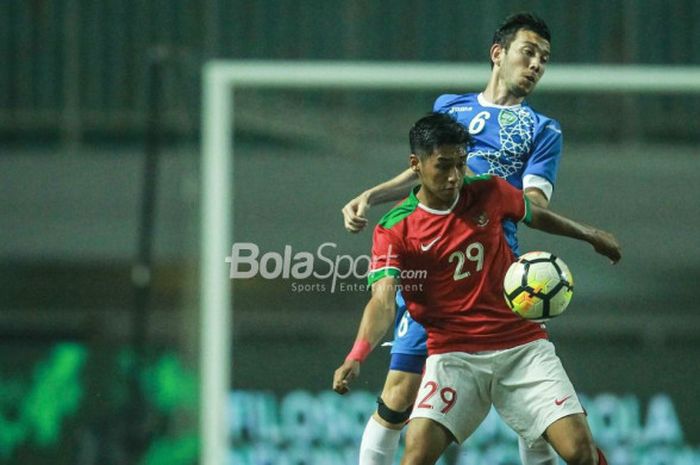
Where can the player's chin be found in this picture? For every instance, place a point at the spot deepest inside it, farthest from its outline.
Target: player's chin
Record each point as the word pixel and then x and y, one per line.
pixel 525 88
pixel 448 195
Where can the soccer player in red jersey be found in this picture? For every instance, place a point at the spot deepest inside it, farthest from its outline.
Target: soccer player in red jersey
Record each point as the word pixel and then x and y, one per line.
pixel 509 139
pixel 444 247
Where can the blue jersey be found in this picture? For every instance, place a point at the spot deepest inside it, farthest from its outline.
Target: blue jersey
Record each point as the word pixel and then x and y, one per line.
pixel 513 142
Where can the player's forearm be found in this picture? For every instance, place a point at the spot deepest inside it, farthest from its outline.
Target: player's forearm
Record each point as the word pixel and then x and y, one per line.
pixel 553 223
pixel 603 242
pixel 394 189
pixel 376 320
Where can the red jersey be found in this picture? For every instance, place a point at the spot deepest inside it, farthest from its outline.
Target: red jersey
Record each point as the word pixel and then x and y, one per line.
pixel 451 264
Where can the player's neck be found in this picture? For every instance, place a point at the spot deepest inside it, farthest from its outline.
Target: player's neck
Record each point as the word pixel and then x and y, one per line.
pixel 497 93
pixel 433 202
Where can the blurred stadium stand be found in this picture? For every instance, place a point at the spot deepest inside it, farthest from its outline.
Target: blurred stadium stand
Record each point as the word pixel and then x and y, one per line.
pixel 76 69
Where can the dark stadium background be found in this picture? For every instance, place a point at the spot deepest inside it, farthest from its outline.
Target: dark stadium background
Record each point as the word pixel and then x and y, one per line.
pixel 99 171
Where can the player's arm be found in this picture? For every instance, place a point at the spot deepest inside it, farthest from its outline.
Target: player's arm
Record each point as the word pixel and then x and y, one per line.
pixel 537 197
pixel 392 190
pixel 541 171
pixel 377 318
pixel 546 220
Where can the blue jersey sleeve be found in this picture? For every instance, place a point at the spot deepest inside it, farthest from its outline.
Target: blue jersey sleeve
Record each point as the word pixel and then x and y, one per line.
pixel 443 102
pixel 511 201
pixel 544 160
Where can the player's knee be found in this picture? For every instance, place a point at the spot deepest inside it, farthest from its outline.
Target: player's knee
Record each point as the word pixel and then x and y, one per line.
pixel 426 440
pixel 417 451
pixel 398 398
pixel 579 453
pixel 415 457
pixel 400 390
pixel 571 438
pixel 391 415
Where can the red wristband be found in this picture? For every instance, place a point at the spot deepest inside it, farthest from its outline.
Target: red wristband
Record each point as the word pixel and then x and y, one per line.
pixel 360 351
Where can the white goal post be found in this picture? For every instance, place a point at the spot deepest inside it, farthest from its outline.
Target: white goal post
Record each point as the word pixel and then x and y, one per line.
pixel 219 81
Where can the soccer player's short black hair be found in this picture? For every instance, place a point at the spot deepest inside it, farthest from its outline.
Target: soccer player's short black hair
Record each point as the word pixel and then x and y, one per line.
pixel 505 34
pixel 435 130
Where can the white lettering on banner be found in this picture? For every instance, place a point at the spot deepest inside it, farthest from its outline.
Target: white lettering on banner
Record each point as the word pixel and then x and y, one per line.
pixel 245 264
pixel 236 259
pixel 301 419
pixel 265 428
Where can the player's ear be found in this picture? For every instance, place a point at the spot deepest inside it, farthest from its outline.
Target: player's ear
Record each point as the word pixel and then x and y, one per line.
pixel 414 163
pixel 496 54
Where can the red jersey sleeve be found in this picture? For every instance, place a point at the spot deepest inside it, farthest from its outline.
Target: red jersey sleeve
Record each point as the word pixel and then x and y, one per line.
pixel 386 255
pixel 514 204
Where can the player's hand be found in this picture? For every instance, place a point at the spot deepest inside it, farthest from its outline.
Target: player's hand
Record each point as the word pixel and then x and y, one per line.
pixel 354 213
pixel 605 244
pixel 349 370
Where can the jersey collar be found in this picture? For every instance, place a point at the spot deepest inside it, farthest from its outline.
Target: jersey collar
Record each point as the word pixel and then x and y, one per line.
pixel 433 210
pixel 485 103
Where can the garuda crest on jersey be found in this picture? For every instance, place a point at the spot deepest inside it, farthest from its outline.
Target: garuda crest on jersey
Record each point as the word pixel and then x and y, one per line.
pixel 481 220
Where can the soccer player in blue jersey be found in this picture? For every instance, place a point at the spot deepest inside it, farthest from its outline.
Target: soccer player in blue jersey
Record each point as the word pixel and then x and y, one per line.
pixel 509 139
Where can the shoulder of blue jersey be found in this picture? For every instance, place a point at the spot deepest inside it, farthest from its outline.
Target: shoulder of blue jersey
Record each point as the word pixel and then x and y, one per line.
pixel 552 126
pixel 549 124
pixel 545 122
pixel 446 102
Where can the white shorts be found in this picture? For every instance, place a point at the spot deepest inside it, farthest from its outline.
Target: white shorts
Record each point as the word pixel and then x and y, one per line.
pixel 527 384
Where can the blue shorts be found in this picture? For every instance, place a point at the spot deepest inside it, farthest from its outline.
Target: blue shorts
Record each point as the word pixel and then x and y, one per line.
pixel 409 349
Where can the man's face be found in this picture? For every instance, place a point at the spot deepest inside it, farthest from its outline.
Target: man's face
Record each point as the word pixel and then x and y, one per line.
pixel 523 63
pixel 441 173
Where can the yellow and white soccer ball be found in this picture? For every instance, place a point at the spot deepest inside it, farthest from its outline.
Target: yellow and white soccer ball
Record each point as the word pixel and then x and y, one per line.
pixel 539 286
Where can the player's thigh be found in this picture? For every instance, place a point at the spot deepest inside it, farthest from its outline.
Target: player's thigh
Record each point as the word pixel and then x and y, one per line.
pixel 426 440
pixel 455 392
pixel 400 389
pixel 571 438
pixel 531 389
